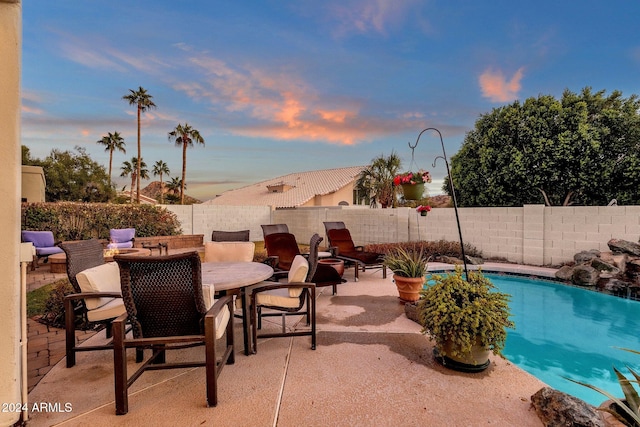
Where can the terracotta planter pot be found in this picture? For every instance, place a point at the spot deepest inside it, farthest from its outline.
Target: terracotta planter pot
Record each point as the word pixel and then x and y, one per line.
pixel 413 191
pixel 409 287
pixel 337 264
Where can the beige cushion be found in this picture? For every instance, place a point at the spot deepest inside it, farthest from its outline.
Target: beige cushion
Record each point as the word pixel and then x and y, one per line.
pixel 208 291
pixel 229 251
pixel 278 298
pixel 113 308
pixel 297 273
pixel 103 278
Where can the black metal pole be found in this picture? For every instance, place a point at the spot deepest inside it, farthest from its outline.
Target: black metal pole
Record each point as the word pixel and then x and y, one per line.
pixel 453 194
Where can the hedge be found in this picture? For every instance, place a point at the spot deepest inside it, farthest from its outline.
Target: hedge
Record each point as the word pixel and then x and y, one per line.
pixel 80 221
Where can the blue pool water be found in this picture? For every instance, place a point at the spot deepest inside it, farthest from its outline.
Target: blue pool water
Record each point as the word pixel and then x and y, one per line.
pixel 562 331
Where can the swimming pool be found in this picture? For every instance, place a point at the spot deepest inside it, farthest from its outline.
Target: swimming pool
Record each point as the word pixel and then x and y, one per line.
pixel 563 331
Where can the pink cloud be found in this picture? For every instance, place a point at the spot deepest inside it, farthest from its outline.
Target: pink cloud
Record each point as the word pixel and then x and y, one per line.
pixel 495 86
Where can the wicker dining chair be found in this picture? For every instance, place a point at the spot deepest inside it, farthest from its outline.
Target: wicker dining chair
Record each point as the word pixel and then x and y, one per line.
pixel 100 300
pixel 167 310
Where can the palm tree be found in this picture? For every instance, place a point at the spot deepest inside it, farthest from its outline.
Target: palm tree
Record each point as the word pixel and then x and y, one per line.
pixel 129 169
pixel 376 180
pixel 143 101
pixel 160 168
pixel 173 187
pixel 113 141
pixel 185 136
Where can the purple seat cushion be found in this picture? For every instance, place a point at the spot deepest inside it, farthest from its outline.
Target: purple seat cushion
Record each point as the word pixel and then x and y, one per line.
pixel 43 242
pixel 122 235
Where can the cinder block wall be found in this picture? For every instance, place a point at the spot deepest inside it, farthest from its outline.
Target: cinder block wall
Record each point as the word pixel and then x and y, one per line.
pixel 532 234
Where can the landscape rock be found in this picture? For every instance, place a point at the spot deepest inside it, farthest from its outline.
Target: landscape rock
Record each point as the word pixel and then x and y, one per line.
pixel 586 256
pixel 615 286
pixel 474 260
pixel 601 265
pixel 555 408
pixel 624 246
pixel 450 260
pixel 565 272
pixel 584 275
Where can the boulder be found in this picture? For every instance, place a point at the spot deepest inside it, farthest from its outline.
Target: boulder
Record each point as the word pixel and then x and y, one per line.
pixel 601 265
pixel 555 408
pixel 586 256
pixel 615 286
pixel 565 273
pixel 584 275
pixel 624 246
pixel 474 260
pixel 451 260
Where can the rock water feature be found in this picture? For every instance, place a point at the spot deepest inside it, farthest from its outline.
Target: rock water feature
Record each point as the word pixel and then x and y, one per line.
pixel 616 272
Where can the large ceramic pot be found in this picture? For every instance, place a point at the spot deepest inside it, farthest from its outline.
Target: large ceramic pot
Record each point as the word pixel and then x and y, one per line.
pixel 476 361
pixel 409 287
pixel 413 191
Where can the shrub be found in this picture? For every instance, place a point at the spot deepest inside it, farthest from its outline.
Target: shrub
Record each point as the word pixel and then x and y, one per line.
pixel 80 221
pixel 431 250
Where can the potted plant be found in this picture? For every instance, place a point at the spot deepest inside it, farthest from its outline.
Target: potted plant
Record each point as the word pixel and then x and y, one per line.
pixel 412 183
pixel 409 268
pixel 466 318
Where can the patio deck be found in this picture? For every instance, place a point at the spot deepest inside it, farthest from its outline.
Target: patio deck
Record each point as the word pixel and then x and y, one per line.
pixel 371 367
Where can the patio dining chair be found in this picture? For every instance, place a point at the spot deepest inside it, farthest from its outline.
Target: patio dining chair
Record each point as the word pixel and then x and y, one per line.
pixel 167 309
pixel 342 247
pixel 96 297
pixel 296 296
pixel 230 236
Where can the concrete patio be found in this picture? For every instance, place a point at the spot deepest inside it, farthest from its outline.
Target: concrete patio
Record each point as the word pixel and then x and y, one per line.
pixel 372 366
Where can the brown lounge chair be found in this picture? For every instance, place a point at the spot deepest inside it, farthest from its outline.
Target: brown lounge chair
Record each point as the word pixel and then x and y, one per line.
pixel 342 247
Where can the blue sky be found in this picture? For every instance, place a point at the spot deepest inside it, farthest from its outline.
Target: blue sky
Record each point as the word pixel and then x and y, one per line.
pixel 282 86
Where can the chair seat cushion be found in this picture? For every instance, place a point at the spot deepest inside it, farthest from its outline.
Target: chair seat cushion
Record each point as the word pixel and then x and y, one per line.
pixel 364 257
pixel 112 309
pixel 123 245
pixel 48 251
pixel 278 298
pixel 103 278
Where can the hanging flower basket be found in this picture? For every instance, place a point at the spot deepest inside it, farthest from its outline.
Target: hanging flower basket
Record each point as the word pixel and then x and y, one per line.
pixel 413 191
pixel 412 184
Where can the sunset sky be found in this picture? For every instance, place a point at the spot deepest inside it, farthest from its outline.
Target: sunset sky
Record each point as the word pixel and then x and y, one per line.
pixel 282 86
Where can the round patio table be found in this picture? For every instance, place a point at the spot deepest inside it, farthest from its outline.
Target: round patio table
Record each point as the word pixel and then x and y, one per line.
pixel 234 277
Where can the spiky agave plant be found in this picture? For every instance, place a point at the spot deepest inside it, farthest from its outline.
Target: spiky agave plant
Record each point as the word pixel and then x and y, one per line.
pixel 631 404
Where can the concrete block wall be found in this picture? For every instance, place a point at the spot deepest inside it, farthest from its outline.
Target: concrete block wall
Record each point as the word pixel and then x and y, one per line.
pixel 203 219
pixel 568 230
pixel 532 234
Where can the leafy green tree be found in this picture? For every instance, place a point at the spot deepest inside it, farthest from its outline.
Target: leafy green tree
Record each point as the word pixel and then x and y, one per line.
pixel 129 169
pixel 75 177
pixel 143 101
pixel 184 136
pixel 112 141
pixel 160 168
pixel 375 183
pixel 582 149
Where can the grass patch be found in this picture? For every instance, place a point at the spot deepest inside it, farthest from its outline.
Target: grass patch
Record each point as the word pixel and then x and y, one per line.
pixel 37 299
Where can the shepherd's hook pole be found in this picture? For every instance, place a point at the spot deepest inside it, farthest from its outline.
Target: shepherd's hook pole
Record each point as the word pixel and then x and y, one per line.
pixel 453 193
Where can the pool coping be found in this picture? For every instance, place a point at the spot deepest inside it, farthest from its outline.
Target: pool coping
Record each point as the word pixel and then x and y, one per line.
pixel 497 267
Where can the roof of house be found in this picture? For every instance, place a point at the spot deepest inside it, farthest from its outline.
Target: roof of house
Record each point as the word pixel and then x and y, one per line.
pixel 291 190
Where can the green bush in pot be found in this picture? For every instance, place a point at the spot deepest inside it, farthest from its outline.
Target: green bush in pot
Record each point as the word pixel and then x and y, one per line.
pixel 462 314
pixel 406 262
